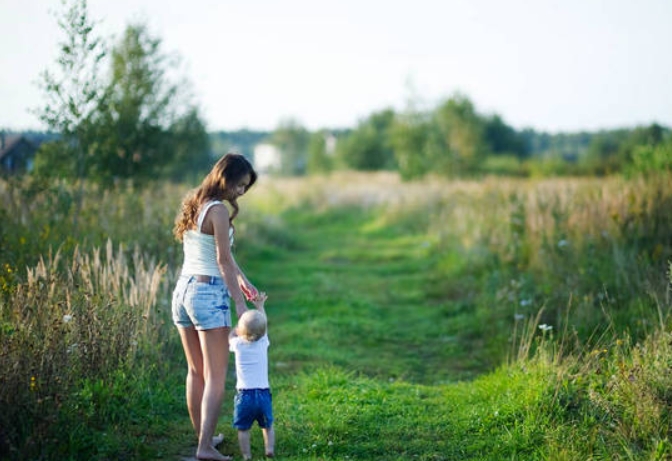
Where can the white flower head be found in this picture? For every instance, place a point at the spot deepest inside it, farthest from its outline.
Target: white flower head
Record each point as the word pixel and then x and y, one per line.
pixel 544 327
pixel 67 318
pixel 563 243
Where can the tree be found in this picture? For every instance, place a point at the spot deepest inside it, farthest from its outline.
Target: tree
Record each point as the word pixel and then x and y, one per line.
pixel 73 95
pixel 190 145
pixel 292 141
pixel 132 122
pixel 503 139
pixel 409 137
pixel 319 157
pixel 149 123
pixel 460 137
pixel 369 146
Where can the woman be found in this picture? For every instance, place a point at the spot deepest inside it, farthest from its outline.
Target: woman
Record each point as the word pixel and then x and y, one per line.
pixel 210 278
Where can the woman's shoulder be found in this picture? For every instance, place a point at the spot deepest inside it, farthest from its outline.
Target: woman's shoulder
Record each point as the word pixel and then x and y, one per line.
pixel 215 208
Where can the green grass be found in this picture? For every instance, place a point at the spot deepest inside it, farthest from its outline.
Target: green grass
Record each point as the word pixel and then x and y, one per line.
pixel 403 321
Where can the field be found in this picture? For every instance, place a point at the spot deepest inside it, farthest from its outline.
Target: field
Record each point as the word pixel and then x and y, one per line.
pixel 499 319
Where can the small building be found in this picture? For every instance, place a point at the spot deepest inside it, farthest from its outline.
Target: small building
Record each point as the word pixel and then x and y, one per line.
pixel 266 158
pixel 17 154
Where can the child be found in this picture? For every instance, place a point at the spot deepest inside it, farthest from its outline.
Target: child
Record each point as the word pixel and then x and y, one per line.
pixel 249 342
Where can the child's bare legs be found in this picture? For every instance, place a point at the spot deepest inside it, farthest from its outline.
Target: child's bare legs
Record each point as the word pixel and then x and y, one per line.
pixel 269 440
pixel 244 442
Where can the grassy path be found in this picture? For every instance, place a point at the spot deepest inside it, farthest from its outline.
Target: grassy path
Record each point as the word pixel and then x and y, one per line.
pixel 355 293
pixel 379 353
pixel 359 352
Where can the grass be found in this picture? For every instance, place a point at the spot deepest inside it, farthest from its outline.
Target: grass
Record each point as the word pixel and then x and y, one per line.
pixel 404 322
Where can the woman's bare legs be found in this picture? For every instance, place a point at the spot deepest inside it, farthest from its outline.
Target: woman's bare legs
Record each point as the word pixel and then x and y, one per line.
pixel 207 354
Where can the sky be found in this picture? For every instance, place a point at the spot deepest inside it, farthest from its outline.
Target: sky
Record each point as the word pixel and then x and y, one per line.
pixel 555 66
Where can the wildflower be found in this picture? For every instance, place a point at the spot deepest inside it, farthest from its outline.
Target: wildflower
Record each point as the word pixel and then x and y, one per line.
pixel 67 318
pixel 33 384
pixel 518 317
pixel 563 243
pixel 544 327
pixel 525 302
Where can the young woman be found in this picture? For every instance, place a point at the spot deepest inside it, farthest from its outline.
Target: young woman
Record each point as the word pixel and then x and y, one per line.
pixel 209 280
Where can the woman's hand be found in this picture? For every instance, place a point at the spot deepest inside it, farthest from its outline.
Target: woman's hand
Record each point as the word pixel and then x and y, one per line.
pixel 248 289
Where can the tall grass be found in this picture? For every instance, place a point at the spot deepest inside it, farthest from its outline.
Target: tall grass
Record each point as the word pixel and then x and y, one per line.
pixel 73 322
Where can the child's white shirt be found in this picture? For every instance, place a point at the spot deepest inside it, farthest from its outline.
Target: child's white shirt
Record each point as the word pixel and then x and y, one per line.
pixel 251 362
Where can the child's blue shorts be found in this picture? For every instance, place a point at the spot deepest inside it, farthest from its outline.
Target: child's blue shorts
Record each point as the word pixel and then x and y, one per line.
pixel 250 405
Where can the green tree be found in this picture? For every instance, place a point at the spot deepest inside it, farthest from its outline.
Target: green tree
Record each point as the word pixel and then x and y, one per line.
pixel 292 141
pixel 369 146
pixel 149 125
pixel 503 139
pixel 132 122
pixel 320 159
pixel 73 94
pixel 409 136
pixel 459 140
pixel 190 145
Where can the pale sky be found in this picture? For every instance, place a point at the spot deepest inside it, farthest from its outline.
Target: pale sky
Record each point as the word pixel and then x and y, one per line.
pixel 563 65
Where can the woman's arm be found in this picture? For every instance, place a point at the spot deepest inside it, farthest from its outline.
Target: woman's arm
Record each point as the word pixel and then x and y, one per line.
pixel 218 216
pixel 249 290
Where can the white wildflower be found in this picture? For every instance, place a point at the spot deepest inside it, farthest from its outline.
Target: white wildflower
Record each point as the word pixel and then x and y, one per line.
pixel 544 327
pixel 67 318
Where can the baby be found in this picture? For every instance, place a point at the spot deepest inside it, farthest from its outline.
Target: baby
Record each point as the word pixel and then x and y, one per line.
pixel 252 402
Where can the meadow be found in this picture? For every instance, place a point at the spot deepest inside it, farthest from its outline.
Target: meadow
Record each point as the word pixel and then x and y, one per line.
pixel 493 319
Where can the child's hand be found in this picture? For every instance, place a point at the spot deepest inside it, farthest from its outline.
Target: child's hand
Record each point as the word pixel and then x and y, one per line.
pixel 259 300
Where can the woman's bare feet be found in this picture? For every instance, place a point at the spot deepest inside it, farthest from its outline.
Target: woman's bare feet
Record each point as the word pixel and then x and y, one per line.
pixel 211 454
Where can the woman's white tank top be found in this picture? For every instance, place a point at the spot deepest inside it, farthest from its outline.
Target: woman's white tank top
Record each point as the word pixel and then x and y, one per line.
pixel 200 250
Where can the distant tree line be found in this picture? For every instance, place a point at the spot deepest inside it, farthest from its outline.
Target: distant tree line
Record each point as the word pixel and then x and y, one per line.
pixel 455 140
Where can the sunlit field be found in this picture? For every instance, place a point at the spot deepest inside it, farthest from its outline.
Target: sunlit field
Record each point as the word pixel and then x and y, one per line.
pixel 431 320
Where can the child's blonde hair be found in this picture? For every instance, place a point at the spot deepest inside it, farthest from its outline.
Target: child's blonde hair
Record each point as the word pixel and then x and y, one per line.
pixel 251 325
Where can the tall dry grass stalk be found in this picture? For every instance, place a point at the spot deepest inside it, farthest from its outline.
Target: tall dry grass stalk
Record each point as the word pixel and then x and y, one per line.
pixel 73 320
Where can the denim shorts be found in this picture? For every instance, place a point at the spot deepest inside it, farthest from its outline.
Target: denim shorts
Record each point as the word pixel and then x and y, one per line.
pixel 250 405
pixel 203 305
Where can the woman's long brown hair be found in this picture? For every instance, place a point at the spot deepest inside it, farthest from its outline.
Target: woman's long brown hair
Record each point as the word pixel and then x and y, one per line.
pixel 227 171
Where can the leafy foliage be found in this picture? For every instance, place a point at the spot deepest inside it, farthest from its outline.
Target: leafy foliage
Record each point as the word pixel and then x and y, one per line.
pixel 135 123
